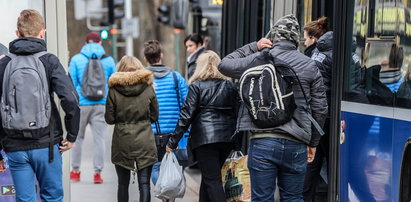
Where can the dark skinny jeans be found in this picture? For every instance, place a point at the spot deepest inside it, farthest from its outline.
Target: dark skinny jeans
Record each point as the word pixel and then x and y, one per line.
pixel 143 177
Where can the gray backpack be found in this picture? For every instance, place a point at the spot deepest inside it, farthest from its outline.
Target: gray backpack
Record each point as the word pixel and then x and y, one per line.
pixel 93 85
pixel 25 102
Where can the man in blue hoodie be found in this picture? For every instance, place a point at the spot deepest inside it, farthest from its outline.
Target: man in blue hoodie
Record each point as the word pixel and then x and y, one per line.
pixel 92 111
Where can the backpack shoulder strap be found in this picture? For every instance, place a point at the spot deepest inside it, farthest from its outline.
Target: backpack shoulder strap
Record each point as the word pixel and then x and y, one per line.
pixel 307 107
pixel 11 55
pixel 177 89
pixel 39 54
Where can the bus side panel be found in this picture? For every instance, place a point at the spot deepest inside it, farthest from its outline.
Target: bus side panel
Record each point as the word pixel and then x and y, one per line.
pixel 366 155
pixel 402 131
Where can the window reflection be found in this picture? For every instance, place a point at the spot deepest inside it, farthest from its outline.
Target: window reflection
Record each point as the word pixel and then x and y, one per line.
pixel 382 45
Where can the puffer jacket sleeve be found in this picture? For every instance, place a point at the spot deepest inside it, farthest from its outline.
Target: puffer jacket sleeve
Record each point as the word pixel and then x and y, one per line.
pixel 63 87
pixel 234 64
pixel 110 114
pixel 318 104
pixel 187 113
pixel 153 106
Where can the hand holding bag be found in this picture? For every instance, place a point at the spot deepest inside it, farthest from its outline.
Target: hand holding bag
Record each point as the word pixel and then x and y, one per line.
pixel 236 178
pixel 171 182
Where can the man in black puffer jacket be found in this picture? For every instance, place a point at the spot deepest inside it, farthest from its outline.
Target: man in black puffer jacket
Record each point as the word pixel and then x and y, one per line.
pixel 281 152
pixel 323 57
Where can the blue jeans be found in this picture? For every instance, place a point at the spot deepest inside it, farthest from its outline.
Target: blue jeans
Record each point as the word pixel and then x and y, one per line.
pixel 155 172
pixel 271 159
pixel 26 165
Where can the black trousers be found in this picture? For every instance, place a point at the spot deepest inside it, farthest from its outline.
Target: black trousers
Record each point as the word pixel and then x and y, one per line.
pixel 211 158
pixel 143 177
pixel 312 175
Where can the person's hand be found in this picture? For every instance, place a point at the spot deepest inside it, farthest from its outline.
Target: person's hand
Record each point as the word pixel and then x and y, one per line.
pixel 2 56
pixel 66 145
pixel 310 154
pixel 264 43
pixel 168 149
pixel 2 167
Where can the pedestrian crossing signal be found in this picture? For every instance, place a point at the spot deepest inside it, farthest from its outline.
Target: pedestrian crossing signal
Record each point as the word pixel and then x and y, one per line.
pixel 104 34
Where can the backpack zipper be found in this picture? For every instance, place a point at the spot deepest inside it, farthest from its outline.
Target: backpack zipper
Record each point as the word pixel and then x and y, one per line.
pixel 15 98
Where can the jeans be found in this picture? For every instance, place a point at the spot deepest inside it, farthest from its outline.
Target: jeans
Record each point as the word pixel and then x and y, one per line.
pixel 155 172
pixel 143 177
pixel 271 159
pixel 26 165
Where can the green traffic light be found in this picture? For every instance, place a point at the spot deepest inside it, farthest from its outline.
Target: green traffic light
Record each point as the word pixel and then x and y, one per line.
pixel 104 34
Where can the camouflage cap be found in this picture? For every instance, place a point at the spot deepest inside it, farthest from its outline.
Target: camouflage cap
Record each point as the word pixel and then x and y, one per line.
pixel 286 28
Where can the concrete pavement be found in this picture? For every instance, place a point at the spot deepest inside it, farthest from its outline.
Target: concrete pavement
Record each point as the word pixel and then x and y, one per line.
pixel 87 191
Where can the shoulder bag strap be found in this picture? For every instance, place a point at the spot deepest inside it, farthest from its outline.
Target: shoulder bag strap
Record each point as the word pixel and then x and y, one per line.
pixel 177 89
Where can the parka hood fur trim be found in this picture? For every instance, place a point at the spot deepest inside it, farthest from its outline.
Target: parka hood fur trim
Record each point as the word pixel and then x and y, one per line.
pixel 131 78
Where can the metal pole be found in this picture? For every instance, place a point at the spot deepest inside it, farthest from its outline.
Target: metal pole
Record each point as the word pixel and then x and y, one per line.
pixel 177 49
pixel 114 44
pixel 129 39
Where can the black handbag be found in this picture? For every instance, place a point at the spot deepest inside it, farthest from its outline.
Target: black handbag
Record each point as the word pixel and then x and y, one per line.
pixel 161 141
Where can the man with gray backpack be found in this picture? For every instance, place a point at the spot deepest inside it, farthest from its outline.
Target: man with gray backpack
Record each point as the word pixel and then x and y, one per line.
pixel 283 106
pixel 31 131
pixel 90 70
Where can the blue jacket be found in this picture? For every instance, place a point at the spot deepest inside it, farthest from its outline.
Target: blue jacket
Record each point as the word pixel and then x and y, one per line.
pixel 78 65
pixel 167 99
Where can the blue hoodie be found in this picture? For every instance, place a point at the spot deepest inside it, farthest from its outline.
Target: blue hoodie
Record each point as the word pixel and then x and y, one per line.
pixel 78 65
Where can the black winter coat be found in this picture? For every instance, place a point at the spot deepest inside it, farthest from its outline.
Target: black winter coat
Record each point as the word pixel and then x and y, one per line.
pixel 212 118
pixel 191 62
pixel 59 83
pixel 323 57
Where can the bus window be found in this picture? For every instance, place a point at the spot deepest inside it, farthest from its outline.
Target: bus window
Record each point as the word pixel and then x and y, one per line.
pixel 383 71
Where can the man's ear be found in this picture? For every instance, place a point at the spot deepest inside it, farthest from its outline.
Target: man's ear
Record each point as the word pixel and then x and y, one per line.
pixel 18 34
pixel 145 59
pixel 43 33
pixel 161 56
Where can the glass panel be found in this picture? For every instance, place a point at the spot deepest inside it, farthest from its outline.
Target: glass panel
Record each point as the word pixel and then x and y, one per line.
pixel 354 75
pixel 383 48
pixel 10 10
pixel 403 98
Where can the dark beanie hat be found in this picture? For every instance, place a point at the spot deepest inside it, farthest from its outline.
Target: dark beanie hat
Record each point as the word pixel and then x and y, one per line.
pixel 93 36
pixel 286 28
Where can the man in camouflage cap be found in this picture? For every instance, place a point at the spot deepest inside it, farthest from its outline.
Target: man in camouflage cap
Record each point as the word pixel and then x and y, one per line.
pixel 281 153
pixel 286 28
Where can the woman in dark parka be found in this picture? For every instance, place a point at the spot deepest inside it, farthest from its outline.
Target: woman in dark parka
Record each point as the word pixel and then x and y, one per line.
pixel 132 106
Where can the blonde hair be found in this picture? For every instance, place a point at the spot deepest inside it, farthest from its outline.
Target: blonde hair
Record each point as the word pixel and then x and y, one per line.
pixel 129 64
pixel 206 68
pixel 30 23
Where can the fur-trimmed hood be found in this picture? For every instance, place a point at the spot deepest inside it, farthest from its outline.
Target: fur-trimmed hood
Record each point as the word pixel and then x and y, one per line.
pixel 131 83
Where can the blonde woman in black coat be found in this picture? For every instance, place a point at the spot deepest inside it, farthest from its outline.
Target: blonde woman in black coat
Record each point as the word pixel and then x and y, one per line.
pixel 209 109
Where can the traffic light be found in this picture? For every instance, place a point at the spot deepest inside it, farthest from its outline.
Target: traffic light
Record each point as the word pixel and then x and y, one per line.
pixel 164 14
pixel 115 10
pixel 179 14
pixel 104 34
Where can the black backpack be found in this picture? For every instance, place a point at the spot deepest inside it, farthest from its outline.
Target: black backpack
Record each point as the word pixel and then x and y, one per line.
pixel 267 93
pixel 93 85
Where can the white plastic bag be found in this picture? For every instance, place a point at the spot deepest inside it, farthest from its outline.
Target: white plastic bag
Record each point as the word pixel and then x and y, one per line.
pixel 171 183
